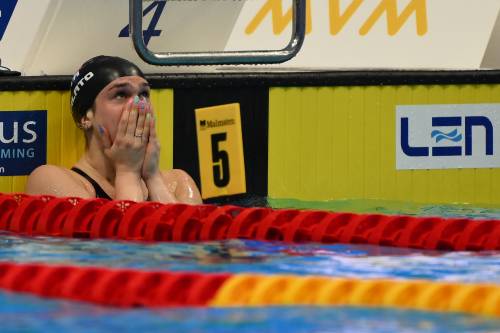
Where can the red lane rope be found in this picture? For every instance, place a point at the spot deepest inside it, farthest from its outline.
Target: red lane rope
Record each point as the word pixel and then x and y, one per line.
pixel 114 287
pixel 151 221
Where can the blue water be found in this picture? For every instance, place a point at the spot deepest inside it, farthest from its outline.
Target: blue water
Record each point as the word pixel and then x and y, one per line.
pixel 237 256
pixel 25 313
pixel 20 313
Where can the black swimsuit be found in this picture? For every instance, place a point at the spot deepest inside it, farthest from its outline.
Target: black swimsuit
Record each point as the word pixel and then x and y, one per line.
pixel 99 192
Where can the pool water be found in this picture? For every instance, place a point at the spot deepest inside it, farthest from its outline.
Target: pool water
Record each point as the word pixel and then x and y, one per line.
pixel 25 313
pixel 391 207
pixel 20 313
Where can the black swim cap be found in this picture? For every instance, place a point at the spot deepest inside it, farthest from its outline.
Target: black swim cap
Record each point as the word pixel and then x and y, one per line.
pixel 93 76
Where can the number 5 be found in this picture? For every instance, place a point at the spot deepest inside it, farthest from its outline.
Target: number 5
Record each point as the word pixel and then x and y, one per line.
pixel 220 158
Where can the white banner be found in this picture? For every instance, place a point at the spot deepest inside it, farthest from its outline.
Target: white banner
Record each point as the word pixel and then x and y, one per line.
pixel 447 136
pixel 56 36
pixel 73 31
pixel 22 30
pixel 369 34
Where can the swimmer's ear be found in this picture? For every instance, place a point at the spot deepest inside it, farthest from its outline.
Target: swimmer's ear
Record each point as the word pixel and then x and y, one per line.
pixel 89 115
pixel 84 124
pixel 86 121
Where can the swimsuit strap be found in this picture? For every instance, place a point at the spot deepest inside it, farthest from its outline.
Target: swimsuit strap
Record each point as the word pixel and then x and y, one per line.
pixel 99 192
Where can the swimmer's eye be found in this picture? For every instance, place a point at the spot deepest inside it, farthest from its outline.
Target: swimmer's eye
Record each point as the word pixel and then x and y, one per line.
pixel 144 94
pixel 121 94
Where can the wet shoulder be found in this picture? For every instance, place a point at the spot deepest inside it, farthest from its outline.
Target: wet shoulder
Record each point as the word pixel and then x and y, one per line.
pixel 175 175
pixel 55 180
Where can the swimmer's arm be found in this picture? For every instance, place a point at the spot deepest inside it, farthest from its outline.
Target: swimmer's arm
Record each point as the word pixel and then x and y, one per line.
pixel 175 186
pixel 183 186
pixel 56 181
pixel 158 190
pixel 128 186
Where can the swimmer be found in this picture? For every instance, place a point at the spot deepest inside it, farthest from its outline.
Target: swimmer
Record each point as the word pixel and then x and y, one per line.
pixel 110 103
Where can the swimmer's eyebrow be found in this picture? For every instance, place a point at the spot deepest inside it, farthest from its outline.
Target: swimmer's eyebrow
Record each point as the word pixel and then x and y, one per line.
pixel 127 84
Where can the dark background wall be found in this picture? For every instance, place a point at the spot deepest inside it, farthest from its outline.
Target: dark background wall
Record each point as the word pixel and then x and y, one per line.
pixel 254 108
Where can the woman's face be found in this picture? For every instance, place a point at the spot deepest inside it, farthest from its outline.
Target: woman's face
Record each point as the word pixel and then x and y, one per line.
pixel 112 101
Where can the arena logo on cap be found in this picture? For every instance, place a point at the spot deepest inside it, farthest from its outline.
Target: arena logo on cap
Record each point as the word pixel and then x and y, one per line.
pixel 6 9
pixel 447 136
pixel 80 84
pixel 23 141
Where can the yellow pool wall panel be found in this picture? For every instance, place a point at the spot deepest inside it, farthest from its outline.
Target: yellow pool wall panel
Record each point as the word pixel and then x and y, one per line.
pixel 163 103
pixel 65 142
pixel 329 143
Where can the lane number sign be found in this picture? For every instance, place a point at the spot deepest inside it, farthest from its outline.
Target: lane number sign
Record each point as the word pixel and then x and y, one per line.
pixel 220 150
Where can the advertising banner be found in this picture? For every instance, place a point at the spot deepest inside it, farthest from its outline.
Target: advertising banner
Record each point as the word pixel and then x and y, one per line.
pixel 447 136
pixel 374 34
pixel 56 36
pixel 23 141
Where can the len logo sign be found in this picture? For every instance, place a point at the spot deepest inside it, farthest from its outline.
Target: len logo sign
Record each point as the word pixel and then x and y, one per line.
pixel 447 136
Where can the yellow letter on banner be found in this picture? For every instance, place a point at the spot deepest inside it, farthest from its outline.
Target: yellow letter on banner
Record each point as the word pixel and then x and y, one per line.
pixel 280 20
pixel 338 20
pixel 395 21
pixel 220 150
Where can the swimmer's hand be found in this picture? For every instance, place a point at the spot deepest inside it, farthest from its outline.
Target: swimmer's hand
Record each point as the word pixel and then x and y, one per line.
pixel 127 151
pixel 128 148
pixel 158 190
pixel 150 167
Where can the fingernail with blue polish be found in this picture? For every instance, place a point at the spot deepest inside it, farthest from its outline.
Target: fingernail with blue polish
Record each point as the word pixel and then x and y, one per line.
pixel 141 106
pixel 101 129
pixel 136 100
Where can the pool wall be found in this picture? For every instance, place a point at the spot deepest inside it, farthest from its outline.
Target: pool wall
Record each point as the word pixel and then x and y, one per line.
pixel 308 136
pixel 340 142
